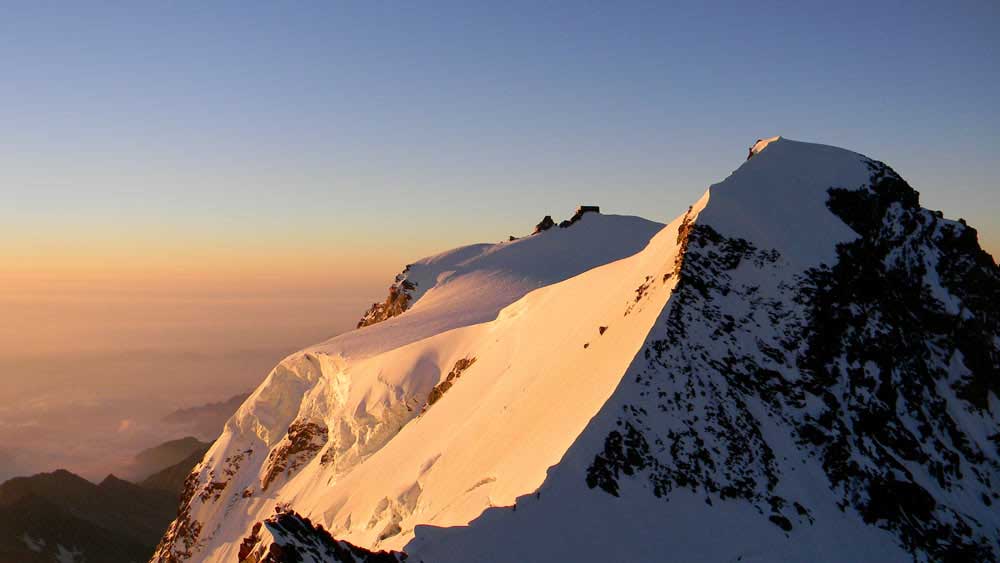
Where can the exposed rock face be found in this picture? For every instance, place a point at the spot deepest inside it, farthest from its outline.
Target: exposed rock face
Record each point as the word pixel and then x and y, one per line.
pixel 212 490
pixel 545 224
pixel 288 537
pixel 877 370
pixel 581 211
pixel 456 372
pixel 184 535
pixel 304 439
pixel 400 296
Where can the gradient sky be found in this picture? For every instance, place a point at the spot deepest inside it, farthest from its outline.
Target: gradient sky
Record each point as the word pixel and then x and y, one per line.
pixel 215 177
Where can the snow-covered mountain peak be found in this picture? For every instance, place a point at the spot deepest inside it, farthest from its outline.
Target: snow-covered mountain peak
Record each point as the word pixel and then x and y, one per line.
pixel 804 355
pixel 778 199
pixel 762 144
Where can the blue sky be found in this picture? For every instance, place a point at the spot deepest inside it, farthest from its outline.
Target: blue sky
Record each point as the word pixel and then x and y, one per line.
pixel 305 124
pixel 201 187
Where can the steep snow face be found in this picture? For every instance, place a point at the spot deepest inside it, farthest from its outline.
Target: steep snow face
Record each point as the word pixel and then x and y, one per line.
pixel 342 432
pixel 820 393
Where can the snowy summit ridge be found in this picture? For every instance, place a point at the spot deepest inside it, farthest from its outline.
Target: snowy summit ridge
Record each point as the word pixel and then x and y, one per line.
pixel 805 355
pixel 761 144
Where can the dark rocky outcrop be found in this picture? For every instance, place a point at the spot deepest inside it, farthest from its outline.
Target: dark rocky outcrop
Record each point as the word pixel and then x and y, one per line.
pixel 545 224
pixel 400 296
pixel 182 536
pixel 303 441
pixel 184 533
pixel 292 538
pixel 873 371
pixel 456 372
pixel 580 212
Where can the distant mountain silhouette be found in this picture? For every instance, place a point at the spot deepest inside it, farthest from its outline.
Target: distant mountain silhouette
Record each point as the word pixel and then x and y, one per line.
pixel 56 513
pixel 205 421
pixel 155 459
pixel 171 479
pixel 60 516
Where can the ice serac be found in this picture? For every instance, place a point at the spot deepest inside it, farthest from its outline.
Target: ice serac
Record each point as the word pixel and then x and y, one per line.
pixel 806 362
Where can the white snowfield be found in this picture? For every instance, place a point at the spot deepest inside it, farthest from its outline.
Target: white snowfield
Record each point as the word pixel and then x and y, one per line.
pixel 554 326
pixel 471 284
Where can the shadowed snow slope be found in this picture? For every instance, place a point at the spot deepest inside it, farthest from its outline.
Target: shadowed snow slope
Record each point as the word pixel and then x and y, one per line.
pixel 804 366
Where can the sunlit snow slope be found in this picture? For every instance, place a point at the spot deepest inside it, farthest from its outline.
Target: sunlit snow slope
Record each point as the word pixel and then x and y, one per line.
pixel 342 431
pixel 802 367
